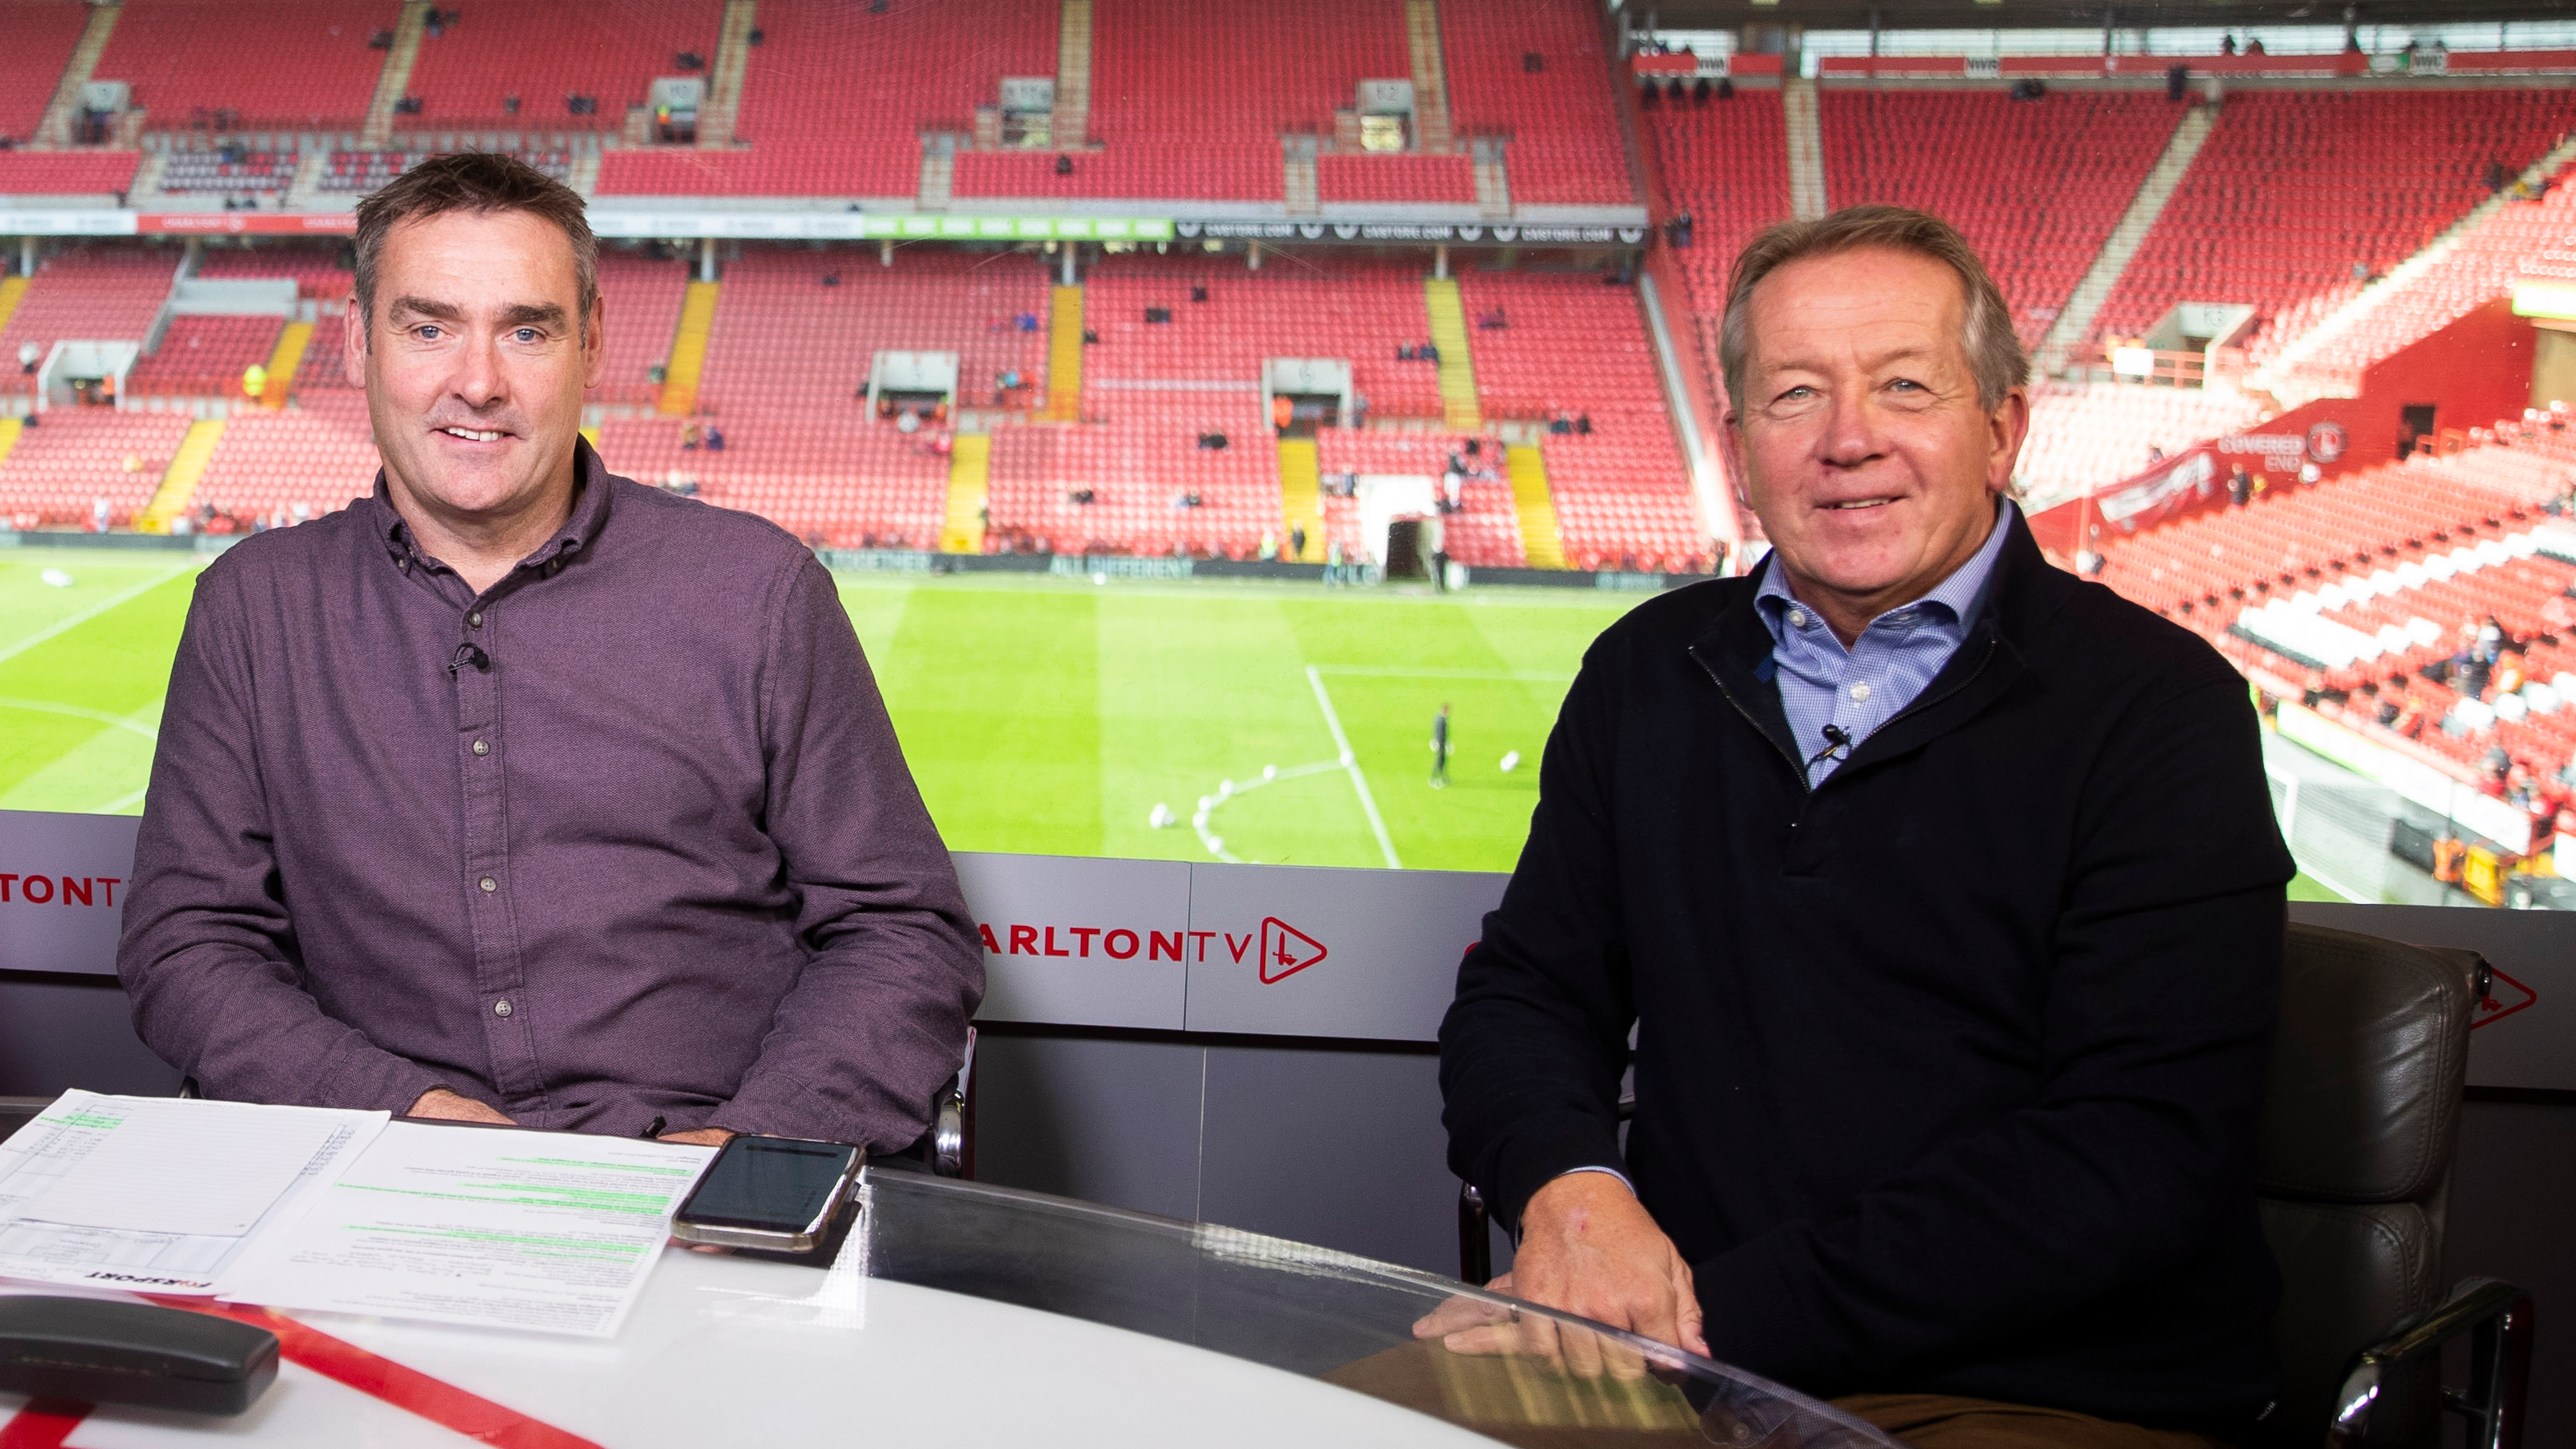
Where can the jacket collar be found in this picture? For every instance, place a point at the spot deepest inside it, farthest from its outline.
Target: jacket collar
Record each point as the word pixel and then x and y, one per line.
pixel 2023 592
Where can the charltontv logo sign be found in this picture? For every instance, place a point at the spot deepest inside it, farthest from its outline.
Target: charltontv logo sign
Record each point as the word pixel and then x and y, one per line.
pixel 59 890
pixel 1276 949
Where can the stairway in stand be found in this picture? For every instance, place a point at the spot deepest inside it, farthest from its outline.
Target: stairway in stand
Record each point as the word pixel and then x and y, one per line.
pixel 724 82
pixel 56 127
pixel 2075 319
pixel 1301 498
pixel 1431 129
pixel 1064 356
pixel 12 291
pixel 970 475
pixel 395 79
pixel 284 362
pixel 1806 149
pixel 1536 507
pixel 187 469
pixel 1458 403
pixel 1072 120
pixel 689 350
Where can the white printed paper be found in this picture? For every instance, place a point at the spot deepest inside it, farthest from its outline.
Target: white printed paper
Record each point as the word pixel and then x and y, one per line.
pixel 550 1232
pixel 159 1194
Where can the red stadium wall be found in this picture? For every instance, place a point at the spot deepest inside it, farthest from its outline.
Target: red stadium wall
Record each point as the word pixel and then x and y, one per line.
pixel 2472 373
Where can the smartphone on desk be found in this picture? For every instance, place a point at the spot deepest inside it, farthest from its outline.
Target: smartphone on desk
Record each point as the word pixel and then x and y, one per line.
pixel 769 1194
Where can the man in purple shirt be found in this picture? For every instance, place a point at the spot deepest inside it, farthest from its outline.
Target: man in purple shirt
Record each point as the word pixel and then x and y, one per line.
pixel 522 793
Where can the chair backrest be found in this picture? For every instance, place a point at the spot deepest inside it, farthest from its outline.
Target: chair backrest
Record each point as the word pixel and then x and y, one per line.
pixel 2353 1168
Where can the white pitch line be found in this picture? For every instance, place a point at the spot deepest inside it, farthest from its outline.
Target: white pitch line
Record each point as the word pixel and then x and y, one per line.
pixel 1351 764
pixel 100 716
pixel 1397 671
pixel 112 601
pixel 1232 791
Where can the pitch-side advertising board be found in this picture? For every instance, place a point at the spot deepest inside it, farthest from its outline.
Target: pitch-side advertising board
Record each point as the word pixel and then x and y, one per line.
pixel 1256 949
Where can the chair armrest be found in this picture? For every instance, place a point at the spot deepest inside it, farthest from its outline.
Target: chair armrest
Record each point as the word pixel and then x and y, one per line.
pixel 2498 1317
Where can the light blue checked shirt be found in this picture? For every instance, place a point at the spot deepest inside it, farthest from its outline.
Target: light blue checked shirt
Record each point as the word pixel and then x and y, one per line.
pixel 1858 689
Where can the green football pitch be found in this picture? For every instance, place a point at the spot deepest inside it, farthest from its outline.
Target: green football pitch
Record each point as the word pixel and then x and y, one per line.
pixel 1274 723
pixel 1284 724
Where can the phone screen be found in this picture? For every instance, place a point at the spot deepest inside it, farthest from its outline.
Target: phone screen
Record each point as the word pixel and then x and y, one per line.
pixel 765 1183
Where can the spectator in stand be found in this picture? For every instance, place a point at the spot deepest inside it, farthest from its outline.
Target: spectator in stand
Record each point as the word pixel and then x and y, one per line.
pixel 907 422
pixel 1583 424
pixel 28 357
pixel 1296 541
pixel 1283 411
pixel 1428 352
pixel 715 439
pixel 2227 45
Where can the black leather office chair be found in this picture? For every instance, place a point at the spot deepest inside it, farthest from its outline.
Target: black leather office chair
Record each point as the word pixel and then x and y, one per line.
pixel 2353 1174
pixel 2360 1124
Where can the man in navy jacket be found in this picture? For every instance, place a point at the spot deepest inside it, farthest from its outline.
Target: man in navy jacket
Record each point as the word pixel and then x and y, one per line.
pixel 1942 895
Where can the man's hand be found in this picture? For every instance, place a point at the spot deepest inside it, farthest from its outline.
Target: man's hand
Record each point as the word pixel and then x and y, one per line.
pixel 442 1105
pixel 1588 1247
pixel 699 1137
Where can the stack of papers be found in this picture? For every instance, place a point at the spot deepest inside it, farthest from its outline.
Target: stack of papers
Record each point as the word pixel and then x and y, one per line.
pixel 300 1207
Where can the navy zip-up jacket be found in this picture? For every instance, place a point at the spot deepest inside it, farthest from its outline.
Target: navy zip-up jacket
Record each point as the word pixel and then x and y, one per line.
pixel 1947 1070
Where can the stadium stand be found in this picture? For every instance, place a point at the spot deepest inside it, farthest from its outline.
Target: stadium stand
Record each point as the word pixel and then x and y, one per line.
pixel 838 481
pixel 1571 347
pixel 2533 239
pixel 2091 435
pixel 1560 115
pixel 2036 185
pixel 796 330
pixel 1484 533
pixel 67 173
pixel 643 298
pixel 2381 579
pixel 58 471
pixel 1361 311
pixel 99 292
pixel 322 275
pixel 204 64
pixel 319 456
pixel 1142 462
pixel 363 171
pixel 204 357
pixel 41 36
pixel 264 174
pixel 1725 166
pixel 1206 90
pixel 1395 177
pixel 835 98
pixel 2295 190
pixel 471 69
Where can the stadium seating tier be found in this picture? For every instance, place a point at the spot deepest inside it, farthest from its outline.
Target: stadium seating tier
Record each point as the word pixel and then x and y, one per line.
pixel 278 64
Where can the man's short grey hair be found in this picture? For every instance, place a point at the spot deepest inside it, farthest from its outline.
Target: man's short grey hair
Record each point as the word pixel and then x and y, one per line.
pixel 1995 354
pixel 482 183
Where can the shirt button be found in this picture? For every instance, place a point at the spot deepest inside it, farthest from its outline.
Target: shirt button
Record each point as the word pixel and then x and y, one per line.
pixel 1797 618
pixel 501 1007
pixel 488 884
pixel 482 747
pixel 1859 692
pixel 474 620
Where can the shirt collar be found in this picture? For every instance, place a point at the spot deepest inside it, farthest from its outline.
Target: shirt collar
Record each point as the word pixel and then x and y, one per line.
pixel 589 513
pixel 1960 595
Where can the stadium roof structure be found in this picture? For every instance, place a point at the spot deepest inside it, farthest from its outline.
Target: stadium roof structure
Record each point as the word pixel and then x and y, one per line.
pixel 2043 14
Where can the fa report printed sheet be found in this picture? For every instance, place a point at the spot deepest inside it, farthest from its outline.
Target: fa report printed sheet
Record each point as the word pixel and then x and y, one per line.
pixel 298 1207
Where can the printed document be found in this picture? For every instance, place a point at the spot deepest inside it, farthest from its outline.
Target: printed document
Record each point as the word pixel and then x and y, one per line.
pixel 157 1194
pixel 551 1232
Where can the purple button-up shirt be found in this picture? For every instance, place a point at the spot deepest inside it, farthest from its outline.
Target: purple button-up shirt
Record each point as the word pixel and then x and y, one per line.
pixel 627 836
